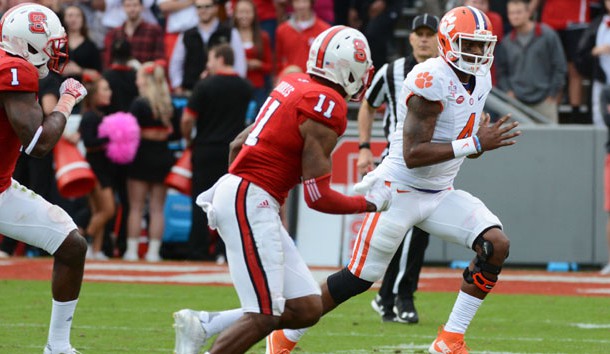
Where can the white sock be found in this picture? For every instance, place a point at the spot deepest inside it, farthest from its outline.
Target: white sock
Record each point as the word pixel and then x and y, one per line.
pixel 216 322
pixel 463 312
pixel 61 322
pixel 132 245
pixel 294 335
pixel 153 247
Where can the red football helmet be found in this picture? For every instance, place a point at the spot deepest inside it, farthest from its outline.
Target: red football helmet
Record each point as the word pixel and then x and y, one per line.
pixel 466 23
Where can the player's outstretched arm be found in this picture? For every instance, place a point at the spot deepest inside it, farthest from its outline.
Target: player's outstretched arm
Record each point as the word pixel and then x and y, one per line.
pixel 318 143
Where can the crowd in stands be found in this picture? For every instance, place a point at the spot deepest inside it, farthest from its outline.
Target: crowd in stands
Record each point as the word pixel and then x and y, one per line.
pixel 137 55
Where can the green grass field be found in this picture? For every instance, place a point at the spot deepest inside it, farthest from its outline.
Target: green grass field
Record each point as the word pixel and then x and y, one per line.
pixel 135 318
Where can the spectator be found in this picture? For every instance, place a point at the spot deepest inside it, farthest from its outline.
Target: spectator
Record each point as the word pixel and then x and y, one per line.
pixel 593 60
pixel 146 39
pixel 191 51
pixel 94 11
pixel 153 161
pixel 85 60
pixel 293 38
pixel 121 77
pixel 267 14
pixel 605 104
pixel 101 199
pixel 122 80
pixel 258 48
pixel 569 18
pixel 180 15
pixel 115 13
pixel 394 301
pixel 217 108
pixel 532 66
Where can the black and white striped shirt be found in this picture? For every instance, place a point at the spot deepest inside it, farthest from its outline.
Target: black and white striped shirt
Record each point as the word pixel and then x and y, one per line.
pixel 386 87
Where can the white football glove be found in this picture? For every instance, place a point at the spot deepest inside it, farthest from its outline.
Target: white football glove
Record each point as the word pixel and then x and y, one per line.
pixel 375 191
pixel 73 88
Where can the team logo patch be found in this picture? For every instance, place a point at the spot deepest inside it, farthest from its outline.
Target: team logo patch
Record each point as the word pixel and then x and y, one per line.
pixel 424 80
pixel 460 100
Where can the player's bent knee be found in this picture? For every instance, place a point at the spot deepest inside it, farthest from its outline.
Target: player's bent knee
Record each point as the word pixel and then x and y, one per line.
pixel 302 312
pixel 73 250
pixel 501 243
pixel 492 249
pixel 344 285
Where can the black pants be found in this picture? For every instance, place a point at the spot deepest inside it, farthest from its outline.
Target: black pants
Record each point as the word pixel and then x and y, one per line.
pixel 209 164
pixel 407 283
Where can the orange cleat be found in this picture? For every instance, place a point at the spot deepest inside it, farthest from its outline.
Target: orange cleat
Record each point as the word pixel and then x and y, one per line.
pixel 448 343
pixel 277 343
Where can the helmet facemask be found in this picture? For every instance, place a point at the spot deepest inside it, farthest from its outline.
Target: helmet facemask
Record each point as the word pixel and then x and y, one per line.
pixel 472 63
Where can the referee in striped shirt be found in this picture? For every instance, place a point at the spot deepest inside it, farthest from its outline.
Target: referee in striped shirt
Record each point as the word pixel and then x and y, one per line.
pixel 395 299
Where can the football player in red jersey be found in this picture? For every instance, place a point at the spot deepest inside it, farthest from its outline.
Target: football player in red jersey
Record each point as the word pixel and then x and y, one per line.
pixel 291 140
pixel 30 43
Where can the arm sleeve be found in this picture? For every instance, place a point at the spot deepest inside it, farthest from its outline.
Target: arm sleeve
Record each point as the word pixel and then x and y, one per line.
pixel 502 68
pixel 559 64
pixel 267 58
pixel 240 54
pixel 197 98
pixel 176 62
pixel 319 196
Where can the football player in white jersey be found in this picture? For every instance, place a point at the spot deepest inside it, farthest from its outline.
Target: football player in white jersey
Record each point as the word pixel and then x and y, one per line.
pixel 441 121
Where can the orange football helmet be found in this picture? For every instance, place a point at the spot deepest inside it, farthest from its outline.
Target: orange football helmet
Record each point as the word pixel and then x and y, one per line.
pixel 466 23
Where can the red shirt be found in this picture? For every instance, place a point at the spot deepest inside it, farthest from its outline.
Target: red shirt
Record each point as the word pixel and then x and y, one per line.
pixel 292 45
pixel 271 156
pixel 16 74
pixel 257 76
pixel 558 14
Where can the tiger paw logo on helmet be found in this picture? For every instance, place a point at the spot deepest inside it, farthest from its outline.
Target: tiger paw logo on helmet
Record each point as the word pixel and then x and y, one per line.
pixel 447 25
pixel 424 80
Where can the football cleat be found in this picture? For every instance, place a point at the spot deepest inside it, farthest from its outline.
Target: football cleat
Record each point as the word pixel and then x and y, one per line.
pixel 405 311
pixel 277 343
pixel 448 343
pixel 48 350
pixel 190 335
pixel 383 310
pixel 605 270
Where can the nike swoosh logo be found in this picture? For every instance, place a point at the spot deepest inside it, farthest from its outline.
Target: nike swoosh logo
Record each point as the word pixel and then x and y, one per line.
pixel 479 98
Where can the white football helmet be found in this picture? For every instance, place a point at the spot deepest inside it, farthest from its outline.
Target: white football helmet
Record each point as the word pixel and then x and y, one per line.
pixel 341 55
pixel 34 32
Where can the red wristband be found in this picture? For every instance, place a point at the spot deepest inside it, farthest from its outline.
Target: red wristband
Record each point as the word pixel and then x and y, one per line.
pixel 319 196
